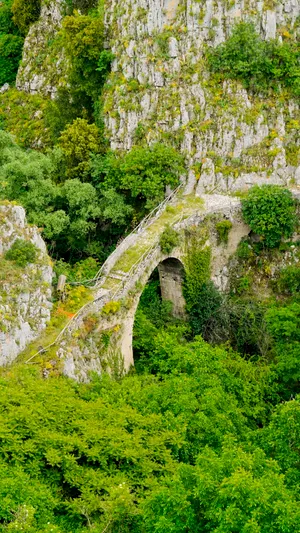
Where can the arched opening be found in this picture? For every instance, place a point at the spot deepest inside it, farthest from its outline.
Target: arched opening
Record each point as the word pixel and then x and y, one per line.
pixel 171 276
pixel 161 305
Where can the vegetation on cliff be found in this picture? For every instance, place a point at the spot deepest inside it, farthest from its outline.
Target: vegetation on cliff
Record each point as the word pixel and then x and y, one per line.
pixel 203 434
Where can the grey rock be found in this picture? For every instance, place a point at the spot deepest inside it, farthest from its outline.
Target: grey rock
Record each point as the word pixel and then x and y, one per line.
pixel 25 302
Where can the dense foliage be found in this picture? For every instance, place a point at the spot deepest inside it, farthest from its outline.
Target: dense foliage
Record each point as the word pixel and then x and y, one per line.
pixel 270 212
pixel 141 174
pixel 22 252
pixel 11 44
pixel 82 39
pixel 77 142
pixel 180 451
pixel 25 13
pixel 203 435
pixel 259 64
pixel 83 216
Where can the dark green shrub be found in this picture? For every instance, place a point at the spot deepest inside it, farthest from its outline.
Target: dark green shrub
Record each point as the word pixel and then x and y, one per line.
pixel 270 212
pixel 289 280
pixel 169 239
pixel 10 56
pixel 142 174
pixel 11 44
pixel 205 307
pixel 22 252
pixel 244 250
pixel 25 13
pixel 82 39
pixel 259 65
pixel 223 228
pixel 6 22
pixel 81 5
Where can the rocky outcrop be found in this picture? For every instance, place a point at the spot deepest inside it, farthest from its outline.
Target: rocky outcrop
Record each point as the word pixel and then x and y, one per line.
pixel 25 293
pixel 160 89
pixel 43 67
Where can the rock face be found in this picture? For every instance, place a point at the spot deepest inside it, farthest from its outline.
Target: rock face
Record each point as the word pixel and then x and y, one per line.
pixel 25 293
pixel 43 65
pixel 160 88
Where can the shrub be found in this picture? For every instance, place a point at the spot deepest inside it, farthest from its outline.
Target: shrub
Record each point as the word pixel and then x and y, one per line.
pixel 244 284
pixel 197 270
pixel 244 250
pixel 82 39
pixel 82 5
pixel 206 305
pixel 289 280
pixel 25 13
pixel 223 228
pixel 143 173
pixel 22 252
pixel 260 65
pixel 284 323
pixel 111 308
pixel 270 212
pixel 77 141
pixel 10 56
pixel 6 22
pixel 169 239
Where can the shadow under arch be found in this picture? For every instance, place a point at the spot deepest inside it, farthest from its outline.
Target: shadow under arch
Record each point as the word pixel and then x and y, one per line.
pixel 171 276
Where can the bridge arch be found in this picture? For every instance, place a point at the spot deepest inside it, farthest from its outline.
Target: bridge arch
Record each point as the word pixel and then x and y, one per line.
pixel 83 345
pixel 171 274
pixel 171 277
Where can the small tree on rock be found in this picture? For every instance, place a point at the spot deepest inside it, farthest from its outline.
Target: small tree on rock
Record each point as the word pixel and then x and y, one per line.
pixel 270 212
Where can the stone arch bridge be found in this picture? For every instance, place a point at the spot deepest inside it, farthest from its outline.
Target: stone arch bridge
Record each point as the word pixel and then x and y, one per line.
pixel 99 337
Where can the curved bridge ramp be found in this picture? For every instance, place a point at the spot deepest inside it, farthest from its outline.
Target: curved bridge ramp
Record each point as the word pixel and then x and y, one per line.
pixel 99 337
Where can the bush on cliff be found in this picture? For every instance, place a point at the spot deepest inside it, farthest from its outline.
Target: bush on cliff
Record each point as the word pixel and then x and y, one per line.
pixel 25 13
pixel 270 212
pixel 260 65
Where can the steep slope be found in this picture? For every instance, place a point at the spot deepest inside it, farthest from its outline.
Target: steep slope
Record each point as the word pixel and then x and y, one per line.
pixel 43 63
pixel 160 88
pixel 25 293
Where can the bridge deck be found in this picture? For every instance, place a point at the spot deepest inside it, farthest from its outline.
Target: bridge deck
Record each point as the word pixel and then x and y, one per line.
pixel 182 207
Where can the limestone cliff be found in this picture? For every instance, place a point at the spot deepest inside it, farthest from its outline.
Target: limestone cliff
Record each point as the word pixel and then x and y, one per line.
pixel 25 293
pixel 161 89
pixel 43 66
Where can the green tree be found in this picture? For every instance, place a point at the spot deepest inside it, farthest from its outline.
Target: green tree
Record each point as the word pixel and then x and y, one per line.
pixel 11 44
pixel 22 252
pixel 243 491
pixel 25 13
pixel 280 440
pixel 77 142
pixel 260 65
pixel 10 55
pixel 284 326
pixel 82 39
pixel 143 173
pixel 270 212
